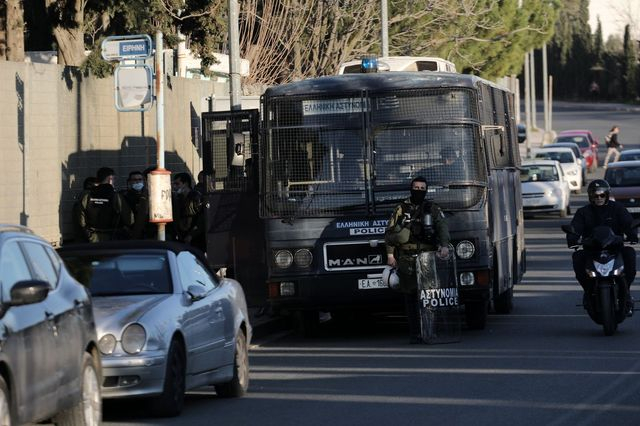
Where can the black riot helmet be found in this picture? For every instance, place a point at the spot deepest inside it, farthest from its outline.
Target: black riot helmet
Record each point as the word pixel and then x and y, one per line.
pixel 598 189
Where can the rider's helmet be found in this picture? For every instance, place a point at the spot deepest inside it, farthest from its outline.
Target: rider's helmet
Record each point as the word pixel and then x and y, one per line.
pixel 390 277
pixel 598 190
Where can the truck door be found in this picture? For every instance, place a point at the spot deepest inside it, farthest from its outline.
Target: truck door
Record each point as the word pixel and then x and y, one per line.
pixel 235 235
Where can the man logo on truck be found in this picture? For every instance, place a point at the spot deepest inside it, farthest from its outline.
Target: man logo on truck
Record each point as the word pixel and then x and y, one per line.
pixel 374 259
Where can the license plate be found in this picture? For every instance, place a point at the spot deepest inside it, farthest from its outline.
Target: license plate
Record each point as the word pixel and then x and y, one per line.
pixel 369 283
pixel 634 209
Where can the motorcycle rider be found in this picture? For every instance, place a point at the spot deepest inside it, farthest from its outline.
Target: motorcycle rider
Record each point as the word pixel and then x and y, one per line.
pixel 601 211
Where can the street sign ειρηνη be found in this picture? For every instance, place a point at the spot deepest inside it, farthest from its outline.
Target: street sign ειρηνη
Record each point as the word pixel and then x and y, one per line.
pixel 119 48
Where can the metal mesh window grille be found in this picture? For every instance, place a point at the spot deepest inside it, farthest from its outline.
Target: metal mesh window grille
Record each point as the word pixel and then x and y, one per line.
pixel 331 156
pixel 231 153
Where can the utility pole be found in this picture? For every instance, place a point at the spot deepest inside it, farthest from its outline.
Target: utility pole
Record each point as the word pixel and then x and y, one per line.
pixel 234 57
pixel 527 102
pixel 532 79
pixel 384 19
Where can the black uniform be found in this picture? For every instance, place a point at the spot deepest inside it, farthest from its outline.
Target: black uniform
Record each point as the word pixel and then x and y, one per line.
pixel 104 214
pixel 614 215
pixel 409 216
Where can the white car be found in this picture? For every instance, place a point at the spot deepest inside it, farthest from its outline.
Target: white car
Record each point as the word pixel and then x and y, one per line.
pixel 569 163
pixel 544 187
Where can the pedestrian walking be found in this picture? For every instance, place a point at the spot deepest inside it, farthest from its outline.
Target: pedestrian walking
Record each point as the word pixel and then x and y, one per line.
pixel 613 145
pixel 416 225
pixel 104 214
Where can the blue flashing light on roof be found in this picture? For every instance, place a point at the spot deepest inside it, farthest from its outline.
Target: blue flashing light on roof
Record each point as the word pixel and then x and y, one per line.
pixel 369 64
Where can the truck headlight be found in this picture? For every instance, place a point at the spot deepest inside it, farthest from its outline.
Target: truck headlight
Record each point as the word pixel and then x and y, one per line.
pixel 303 258
pixel 465 249
pixel 283 259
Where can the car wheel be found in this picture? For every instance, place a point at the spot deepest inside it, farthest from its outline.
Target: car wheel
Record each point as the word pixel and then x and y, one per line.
pixel 239 384
pixel 5 404
pixel 88 411
pixel 171 401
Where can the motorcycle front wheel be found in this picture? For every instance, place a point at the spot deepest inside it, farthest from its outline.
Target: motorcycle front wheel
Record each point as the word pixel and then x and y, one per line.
pixel 607 310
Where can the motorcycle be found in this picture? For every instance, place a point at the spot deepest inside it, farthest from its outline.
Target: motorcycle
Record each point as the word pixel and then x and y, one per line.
pixel 605 304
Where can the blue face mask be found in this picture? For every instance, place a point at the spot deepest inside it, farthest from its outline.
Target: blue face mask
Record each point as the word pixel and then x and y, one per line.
pixel 137 186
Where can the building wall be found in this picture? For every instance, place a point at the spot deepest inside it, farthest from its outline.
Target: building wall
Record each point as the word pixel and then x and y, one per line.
pixel 58 127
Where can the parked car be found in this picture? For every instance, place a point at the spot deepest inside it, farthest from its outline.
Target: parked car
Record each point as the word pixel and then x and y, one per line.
pixel 49 362
pixel 588 152
pixel 593 140
pixel 624 179
pixel 568 161
pixel 629 155
pixel 166 324
pixel 522 132
pixel 576 151
pixel 544 188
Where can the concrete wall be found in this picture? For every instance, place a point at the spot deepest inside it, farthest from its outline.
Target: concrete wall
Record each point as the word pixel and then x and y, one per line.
pixel 58 127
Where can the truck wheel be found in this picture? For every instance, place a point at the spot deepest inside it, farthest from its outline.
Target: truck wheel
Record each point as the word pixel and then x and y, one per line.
pixel 504 302
pixel 476 315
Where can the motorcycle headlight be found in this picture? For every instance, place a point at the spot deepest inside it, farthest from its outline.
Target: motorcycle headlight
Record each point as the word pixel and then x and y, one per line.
pixel 283 259
pixel 465 249
pixel 107 344
pixel 133 339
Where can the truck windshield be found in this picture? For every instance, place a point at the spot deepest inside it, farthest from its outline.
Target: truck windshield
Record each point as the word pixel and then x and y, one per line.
pixel 333 156
pixel 315 171
pixel 446 155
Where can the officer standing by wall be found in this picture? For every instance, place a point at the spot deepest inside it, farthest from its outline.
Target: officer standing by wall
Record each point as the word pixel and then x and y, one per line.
pixel 104 214
pixel 416 225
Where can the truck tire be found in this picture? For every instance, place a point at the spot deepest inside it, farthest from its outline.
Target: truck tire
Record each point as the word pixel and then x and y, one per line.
pixel 504 302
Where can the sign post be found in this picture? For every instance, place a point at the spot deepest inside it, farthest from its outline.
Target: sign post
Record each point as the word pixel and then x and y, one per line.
pixel 134 85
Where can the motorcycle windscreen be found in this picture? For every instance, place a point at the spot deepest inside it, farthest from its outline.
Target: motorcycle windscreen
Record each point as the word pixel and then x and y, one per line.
pixel 440 313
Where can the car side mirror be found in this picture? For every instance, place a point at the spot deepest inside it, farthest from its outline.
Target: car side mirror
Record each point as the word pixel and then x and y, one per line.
pixel 196 293
pixel 28 292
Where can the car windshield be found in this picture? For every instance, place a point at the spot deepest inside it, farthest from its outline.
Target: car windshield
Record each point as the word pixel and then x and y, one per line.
pixel 563 157
pixel 538 173
pixel 623 176
pixel 581 141
pixel 121 274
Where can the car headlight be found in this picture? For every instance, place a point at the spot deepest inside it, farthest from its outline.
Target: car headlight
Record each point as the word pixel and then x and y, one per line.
pixel 303 258
pixel 557 192
pixel 283 259
pixel 133 339
pixel 107 344
pixel 465 249
pixel 572 172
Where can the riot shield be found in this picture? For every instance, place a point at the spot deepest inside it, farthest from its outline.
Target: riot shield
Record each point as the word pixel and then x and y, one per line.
pixel 438 298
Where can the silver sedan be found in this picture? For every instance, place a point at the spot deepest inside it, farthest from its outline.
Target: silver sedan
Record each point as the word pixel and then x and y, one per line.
pixel 165 322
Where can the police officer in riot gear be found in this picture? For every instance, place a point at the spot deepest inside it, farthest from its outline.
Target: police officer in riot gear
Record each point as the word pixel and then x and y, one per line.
pixel 601 211
pixel 104 214
pixel 416 225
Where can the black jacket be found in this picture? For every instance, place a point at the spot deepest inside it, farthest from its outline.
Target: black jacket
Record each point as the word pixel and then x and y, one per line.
pixel 612 214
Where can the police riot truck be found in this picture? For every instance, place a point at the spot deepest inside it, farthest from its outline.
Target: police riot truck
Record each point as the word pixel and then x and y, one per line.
pixel 300 192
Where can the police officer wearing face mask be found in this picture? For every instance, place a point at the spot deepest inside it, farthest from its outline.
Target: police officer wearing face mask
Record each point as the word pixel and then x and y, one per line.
pixel 137 197
pixel 416 225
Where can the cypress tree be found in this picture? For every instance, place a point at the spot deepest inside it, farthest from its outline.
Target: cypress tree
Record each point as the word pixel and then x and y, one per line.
pixel 629 65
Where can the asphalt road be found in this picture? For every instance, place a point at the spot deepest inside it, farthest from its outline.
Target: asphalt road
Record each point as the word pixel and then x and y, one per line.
pixel 546 363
